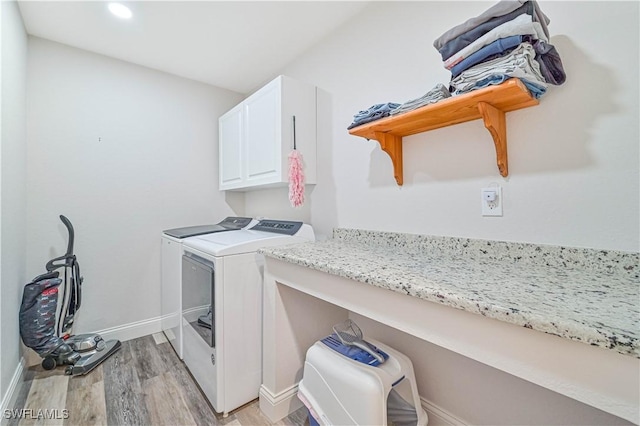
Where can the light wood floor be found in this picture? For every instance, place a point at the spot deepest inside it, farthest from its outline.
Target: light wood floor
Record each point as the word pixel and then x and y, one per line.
pixel 144 383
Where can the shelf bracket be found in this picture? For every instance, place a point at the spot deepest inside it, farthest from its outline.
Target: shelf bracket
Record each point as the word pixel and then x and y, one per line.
pixel 392 145
pixel 496 124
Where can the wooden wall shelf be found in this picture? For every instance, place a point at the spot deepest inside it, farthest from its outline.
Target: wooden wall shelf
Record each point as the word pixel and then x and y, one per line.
pixel 490 104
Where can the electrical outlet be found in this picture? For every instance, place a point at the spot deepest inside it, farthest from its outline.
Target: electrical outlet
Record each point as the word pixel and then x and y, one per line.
pixel 491 199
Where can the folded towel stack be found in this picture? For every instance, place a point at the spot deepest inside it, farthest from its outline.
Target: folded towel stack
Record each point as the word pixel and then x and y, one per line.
pixel 508 40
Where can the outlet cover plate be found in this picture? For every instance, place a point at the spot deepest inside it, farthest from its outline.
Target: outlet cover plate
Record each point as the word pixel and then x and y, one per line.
pixel 492 208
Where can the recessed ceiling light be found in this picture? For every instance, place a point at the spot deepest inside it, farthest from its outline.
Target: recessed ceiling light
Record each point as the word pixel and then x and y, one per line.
pixel 120 10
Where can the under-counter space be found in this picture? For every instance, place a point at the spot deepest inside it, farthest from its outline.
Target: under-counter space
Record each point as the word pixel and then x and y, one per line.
pixel 586 295
pixel 510 303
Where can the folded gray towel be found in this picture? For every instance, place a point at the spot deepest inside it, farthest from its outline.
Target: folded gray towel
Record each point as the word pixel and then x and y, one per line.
pixel 434 95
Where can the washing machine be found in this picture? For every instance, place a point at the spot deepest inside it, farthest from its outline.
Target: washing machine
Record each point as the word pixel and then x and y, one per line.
pixel 170 292
pixel 222 277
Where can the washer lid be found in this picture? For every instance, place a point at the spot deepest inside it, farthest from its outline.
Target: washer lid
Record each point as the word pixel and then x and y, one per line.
pixel 245 241
pixel 228 224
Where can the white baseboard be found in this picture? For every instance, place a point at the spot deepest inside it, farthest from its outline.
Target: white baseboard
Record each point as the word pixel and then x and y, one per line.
pixel 132 330
pixel 439 416
pixel 9 398
pixel 278 406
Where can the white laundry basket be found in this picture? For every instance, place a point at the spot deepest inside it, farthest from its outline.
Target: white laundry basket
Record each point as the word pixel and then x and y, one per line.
pixel 338 390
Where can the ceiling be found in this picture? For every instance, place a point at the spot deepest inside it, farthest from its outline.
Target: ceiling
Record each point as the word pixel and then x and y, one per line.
pixel 237 45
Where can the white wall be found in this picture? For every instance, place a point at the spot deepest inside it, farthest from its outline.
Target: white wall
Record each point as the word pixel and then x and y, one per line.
pixel 13 200
pixel 274 203
pixel 573 162
pixel 124 152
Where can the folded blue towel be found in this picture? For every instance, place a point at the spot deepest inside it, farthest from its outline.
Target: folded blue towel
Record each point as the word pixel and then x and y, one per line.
pixel 536 90
pixel 374 112
pixel 497 47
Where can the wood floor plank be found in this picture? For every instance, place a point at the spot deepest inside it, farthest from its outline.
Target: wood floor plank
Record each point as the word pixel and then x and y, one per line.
pixel 122 390
pixel 231 419
pixel 168 356
pixel 49 393
pixel 148 363
pixel 86 405
pixel 120 357
pixel 250 415
pixel 165 402
pixel 36 371
pixel 196 402
pixel 21 400
pixel 94 376
pixel 297 418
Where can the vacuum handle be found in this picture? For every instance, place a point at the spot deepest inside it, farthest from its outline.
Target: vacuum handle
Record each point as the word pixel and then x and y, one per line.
pixel 68 256
pixel 69 226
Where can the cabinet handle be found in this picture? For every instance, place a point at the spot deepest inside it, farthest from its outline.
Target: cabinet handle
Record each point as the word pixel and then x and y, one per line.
pixel 294 132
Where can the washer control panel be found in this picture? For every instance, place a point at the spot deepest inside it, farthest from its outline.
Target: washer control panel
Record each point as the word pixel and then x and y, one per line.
pixel 286 227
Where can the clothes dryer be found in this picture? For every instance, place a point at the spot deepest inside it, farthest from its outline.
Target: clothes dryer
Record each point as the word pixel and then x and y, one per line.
pixel 171 293
pixel 224 273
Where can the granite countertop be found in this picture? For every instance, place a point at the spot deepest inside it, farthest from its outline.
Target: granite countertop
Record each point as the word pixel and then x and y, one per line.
pixel 591 296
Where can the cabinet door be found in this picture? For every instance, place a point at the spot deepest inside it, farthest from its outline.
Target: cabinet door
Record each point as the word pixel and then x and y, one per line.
pixel 171 292
pixel 262 135
pixel 230 150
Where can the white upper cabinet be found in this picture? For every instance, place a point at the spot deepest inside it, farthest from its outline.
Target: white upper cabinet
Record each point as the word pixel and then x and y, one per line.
pixel 263 135
pixel 257 136
pixel 231 128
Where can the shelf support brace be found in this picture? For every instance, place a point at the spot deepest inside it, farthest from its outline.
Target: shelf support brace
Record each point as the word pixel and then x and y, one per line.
pixel 496 124
pixel 392 145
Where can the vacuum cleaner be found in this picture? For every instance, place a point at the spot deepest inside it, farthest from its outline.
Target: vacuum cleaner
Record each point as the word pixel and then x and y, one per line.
pixel 46 327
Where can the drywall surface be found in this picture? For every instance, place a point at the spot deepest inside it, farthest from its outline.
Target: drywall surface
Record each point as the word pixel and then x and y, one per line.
pixel 273 203
pixel 124 152
pixel 13 201
pixel 573 160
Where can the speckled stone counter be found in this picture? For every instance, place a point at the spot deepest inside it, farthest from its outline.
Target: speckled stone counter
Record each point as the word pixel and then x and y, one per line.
pixel 591 296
